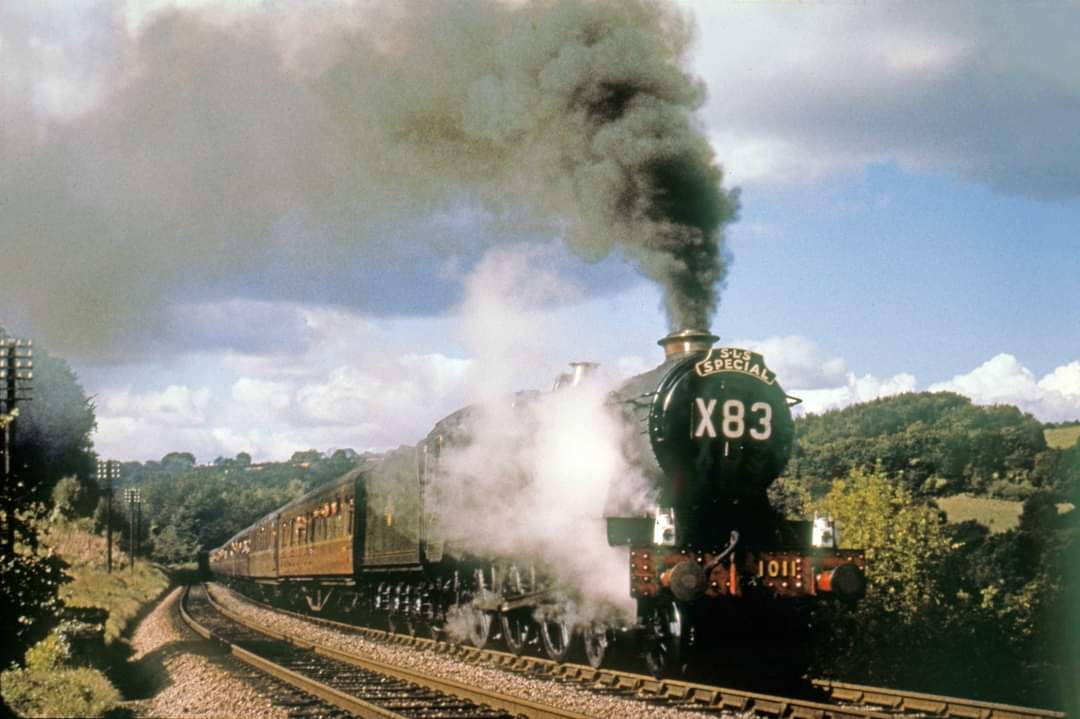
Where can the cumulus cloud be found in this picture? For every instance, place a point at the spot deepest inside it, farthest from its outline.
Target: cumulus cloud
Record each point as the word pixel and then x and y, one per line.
pixel 1004 380
pixel 798 360
pixel 984 91
pixel 358 391
pixel 853 390
pixel 150 424
pixel 376 406
pixel 175 406
pixel 824 381
pixel 393 395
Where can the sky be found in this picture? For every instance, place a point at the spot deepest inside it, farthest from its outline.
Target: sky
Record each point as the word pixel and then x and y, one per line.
pixel 248 227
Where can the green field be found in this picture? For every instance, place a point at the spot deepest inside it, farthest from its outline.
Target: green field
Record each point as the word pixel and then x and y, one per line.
pixel 1062 437
pixel 999 515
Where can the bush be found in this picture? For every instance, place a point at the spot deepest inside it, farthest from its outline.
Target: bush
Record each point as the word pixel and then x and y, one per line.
pixel 59 693
pixel 51 653
pixel 1012 491
pixel 51 686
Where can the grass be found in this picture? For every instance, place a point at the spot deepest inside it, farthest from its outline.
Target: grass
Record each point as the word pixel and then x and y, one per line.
pixel 56 681
pixel 999 515
pixel 124 592
pixel 1062 437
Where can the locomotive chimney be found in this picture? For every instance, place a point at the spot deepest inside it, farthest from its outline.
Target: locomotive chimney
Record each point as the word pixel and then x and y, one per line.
pixel 684 342
pixel 578 372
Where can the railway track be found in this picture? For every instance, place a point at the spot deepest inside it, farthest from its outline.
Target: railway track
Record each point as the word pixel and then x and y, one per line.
pixel 355 685
pixel 843 699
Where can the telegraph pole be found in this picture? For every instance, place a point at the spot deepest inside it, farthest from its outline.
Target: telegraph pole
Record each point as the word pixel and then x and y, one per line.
pixel 108 471
pixel 129 500
pixel 131 496
pixel 138 524
pixel 16 383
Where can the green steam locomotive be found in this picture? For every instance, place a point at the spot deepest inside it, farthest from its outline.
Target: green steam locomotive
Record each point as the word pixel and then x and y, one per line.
pixel 717 577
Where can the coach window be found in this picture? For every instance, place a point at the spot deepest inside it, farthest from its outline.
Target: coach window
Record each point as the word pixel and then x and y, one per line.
pixel 349 530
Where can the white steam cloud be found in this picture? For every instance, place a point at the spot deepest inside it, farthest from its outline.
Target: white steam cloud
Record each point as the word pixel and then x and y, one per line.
pixel 539 471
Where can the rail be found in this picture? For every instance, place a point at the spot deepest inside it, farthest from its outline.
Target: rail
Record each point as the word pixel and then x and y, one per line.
pixel 687 695
pixel 886 702
pixel 898 700
pixel 477 695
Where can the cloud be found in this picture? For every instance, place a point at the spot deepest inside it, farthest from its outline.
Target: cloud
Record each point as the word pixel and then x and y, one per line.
pixel 981 91
pixel 853 390
pixel 819 378
pixel 341 153
pixel 395 396
pixel 824 382
pixel 1064 380
pixel 1004 380
pixel 798 361
pixel 150 424
pixel 260 397
pixel 376 406
pixel 175 406
pixel 366 395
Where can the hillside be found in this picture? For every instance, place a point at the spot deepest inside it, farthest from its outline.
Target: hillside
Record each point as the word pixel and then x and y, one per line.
pixel 936 444
pixel 187 507
pixel 124 592
pixel 66 672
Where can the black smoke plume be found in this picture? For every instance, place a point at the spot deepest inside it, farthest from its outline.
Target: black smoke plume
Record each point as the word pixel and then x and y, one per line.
pixel 197 135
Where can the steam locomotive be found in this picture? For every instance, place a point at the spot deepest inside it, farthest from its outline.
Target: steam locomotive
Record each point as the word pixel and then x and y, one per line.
pixel 717 575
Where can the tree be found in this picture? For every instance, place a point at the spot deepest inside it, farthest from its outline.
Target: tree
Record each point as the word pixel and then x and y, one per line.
pixel 952 609
pixel 904 540
pixel 178 461
pixel 51 440
pixel 905 544
pixel 306 457
pixel 933 443
pixel 66 496
pixel 52 433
